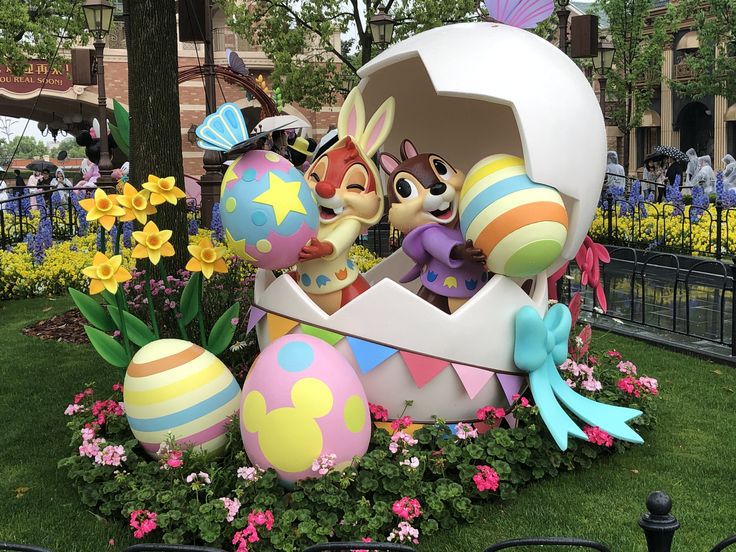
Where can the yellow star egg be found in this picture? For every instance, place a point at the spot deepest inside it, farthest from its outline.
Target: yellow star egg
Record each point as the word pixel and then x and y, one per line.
pixel 267 209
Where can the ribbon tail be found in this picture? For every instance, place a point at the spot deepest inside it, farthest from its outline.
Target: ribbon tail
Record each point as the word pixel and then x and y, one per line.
pixel 559 424
pixel 611 419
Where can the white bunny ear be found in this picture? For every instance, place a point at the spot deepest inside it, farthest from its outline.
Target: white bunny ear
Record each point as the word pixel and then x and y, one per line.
pixel 351 121
pixel 378 127
pixel 96 127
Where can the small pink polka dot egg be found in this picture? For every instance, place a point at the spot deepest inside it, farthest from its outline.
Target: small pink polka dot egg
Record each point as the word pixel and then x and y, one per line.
pixel 301 401
pixel 268 210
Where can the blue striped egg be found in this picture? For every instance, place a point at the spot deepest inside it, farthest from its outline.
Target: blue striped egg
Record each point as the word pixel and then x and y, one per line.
pixel 176 387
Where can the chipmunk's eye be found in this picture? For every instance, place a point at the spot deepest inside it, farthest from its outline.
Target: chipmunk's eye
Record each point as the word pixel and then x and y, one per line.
pixel 440 167
pixel 405 188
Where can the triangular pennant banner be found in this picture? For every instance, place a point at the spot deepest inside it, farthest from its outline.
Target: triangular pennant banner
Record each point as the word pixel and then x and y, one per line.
pixel 473 379
pixel 423 369
pixel 279 326
pixel 254 316
pixel 325 335
pixel 512 421
pixel 368 355
pixel 510 384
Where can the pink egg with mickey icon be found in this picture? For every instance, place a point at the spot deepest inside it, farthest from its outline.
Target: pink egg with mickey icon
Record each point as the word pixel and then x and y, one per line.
pixel 268 210
pixel 301 403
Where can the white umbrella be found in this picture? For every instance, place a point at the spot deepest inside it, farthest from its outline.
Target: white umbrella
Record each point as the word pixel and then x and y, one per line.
pixel 280 122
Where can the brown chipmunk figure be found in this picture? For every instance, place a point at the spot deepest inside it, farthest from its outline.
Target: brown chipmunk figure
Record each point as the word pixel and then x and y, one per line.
pixel 424 191
pixel 347 186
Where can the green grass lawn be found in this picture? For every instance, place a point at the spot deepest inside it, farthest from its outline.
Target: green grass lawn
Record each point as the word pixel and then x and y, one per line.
pixel 691 455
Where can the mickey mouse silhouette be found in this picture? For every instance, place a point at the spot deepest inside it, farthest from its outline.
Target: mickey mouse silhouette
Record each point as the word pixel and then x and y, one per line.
pixel 92 149
pixel 289 437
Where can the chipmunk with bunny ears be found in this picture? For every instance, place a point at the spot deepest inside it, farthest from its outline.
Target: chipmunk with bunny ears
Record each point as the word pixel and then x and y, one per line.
pixel 347 186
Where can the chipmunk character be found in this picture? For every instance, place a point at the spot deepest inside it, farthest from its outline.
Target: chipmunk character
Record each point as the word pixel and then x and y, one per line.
pixel 424 191
pixel 347 187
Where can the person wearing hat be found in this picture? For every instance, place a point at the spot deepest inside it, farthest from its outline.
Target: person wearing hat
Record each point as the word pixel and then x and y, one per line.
pixel 301 150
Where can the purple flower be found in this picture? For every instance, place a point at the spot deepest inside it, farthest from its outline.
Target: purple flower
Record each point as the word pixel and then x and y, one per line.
pixel 128 234
pixel 218 232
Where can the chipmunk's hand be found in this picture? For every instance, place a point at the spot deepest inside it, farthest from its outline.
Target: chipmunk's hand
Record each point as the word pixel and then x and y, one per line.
pixel 468 253
pixel 315 249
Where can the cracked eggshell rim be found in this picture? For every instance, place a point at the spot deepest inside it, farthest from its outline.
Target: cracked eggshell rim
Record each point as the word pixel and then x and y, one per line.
pixel 480 333
pixel 471 90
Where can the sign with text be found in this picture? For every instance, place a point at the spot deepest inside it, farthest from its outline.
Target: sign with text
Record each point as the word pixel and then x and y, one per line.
pixel 32 79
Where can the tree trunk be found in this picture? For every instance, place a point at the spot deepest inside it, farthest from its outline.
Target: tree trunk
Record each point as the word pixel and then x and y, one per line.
pixel 155 134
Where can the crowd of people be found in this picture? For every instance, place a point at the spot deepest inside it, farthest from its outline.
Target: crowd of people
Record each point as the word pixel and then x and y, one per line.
pixel 662 171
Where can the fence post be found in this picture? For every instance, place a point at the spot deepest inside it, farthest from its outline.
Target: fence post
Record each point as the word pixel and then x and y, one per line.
pixel 733 305
pixel 658 524
pixel 609 199
pixel 719 216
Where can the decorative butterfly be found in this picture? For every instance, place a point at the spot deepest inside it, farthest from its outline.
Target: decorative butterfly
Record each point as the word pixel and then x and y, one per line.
pixel 525 14
pixel 236 63
pixel 225 131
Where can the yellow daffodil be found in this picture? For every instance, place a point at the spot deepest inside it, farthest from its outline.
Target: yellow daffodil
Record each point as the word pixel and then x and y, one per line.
pixel 102 208
pixel 206 258
pixel 163 190
pixel 105 273
pixel 152 243
pixel 135 204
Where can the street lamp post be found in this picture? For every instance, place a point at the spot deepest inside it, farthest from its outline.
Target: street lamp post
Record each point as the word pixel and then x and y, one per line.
pixel 382 28
pixel 211 180
pixel 562 15
pixel 602 63
pixel 98 14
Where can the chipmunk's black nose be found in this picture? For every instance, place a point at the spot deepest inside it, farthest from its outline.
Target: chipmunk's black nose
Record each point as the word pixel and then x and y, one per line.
pixel 438 189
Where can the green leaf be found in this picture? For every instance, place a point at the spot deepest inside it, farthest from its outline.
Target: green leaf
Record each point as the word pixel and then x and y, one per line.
pixel 137 330
pixel 190 299
pixel 122 120
pixel 223 331
pixel 92 311
pixel 109 298
pixel 109 349
pixel 120 140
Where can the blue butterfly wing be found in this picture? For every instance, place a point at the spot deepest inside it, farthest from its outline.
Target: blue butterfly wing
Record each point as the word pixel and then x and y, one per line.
pixel 223 129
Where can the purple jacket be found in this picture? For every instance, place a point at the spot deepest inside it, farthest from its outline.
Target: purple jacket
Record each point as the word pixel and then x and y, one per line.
pixel 429 246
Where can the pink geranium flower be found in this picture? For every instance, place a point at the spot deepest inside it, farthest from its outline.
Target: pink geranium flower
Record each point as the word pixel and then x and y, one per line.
pixel 407 508
pixel 486 479
pixel 598 436
pixel 143 522
pixel 378 412
pixel 401 423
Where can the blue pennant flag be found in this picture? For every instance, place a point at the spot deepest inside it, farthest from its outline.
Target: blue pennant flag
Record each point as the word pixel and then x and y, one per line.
pixel 541 346
pixel 368 354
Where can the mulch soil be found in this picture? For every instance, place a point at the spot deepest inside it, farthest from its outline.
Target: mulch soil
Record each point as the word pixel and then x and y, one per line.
pixel 67 327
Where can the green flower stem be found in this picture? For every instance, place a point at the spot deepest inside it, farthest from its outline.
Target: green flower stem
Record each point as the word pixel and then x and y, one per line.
pixel 177 310
pixel 151 310
pixel 200 318
pixel 102 239
pixel 120 298
pixel 118 235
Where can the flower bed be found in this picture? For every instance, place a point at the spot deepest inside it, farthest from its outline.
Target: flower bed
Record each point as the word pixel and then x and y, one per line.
pixel 405 487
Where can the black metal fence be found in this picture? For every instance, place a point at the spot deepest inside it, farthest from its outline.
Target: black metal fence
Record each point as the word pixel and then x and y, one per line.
pixel 667 292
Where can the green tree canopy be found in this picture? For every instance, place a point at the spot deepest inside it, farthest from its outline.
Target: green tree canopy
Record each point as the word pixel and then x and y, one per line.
pixel 312 67
pixel 28 147
pixel 31 29
pixel 637 61
pixel 714 63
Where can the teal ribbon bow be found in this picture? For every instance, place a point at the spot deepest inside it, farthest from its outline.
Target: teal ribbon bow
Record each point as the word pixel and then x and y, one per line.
pixel 541 346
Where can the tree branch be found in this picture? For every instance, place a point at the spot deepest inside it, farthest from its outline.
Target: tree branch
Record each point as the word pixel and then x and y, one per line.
pixel 356 16
pixel 309 27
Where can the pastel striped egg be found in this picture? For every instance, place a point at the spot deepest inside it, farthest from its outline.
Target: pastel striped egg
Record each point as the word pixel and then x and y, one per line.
pixel 520 225
pixel 174 386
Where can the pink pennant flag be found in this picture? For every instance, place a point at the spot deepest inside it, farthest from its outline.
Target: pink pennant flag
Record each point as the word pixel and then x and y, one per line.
pixel 423 369
pixel 473 379
pixel 254 316
pixel 510 384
